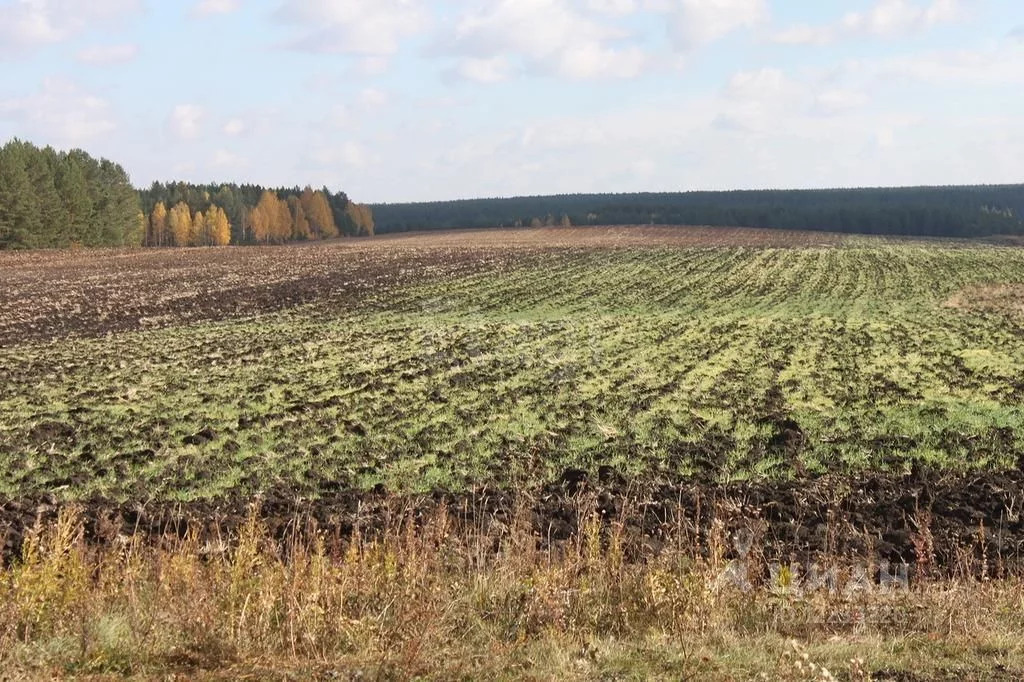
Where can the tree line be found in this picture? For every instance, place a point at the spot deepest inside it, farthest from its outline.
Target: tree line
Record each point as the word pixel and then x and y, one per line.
pixel 51 199
pixel 919 211
pixel 253 214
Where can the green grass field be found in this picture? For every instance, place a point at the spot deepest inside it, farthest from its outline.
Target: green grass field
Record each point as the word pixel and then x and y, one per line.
pixel 664 362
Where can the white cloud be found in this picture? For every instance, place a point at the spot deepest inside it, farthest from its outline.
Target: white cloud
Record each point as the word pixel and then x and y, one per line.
pixel 209 7
pixel 235 126
pixel 485 69
pixel 350 154
pixel 31 23
pixel 838 101
pixel 223 158
pixel 890 18
pixel 186 121
pixel 615 7
pixel 993 67
pixel 108 54
pixel 885 19
pixel 805 34
pixel 61 111
pixel 694 23
pixel 1018 33
pixel 359 27
pixel 554 37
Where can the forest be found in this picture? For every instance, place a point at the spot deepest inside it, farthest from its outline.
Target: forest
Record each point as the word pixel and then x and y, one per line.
pixel 920 211
pixel 58 199
pixel 51 199
pixel 179 214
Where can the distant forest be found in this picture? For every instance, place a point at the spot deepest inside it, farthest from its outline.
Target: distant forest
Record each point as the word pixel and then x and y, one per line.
pixel 179 214
pixel 51 199
pixel 921 211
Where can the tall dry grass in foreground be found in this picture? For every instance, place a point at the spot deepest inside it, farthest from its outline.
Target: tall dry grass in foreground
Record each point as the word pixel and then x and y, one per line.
pixel 433 600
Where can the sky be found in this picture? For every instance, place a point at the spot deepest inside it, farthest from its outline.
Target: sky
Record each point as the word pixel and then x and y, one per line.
pixel 406 100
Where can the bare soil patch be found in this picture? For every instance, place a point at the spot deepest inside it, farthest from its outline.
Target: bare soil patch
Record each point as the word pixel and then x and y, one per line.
pixel 1003 298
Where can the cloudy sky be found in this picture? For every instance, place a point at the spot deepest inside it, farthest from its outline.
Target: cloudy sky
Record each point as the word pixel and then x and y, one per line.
pixel 396 100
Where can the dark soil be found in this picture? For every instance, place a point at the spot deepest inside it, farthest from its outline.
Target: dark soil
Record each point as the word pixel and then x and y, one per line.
pixel 108 291
pixel 939 525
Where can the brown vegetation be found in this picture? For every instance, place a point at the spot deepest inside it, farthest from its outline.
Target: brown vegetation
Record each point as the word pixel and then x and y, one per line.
pixel 1004 298
pixel 435 597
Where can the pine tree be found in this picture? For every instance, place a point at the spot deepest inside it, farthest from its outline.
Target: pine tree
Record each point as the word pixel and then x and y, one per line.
pixel 40 165
pixel 16 219
pixel 74 194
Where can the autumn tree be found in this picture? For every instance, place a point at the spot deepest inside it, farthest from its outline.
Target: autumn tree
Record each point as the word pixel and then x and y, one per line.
pixel 300 225
pixel 318 213
pixel 197 235
pixel 282 221
pixel 158 225
pixel 218 226
pixel 271 221
pixel 362 217
pixel 179 223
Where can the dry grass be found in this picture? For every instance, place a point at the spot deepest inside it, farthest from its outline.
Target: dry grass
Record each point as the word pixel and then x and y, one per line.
pixel 434 599
pixel 1007 298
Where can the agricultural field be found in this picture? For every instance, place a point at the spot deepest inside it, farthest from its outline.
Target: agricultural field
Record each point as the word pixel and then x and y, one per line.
pixel 800 375
pixel 418 366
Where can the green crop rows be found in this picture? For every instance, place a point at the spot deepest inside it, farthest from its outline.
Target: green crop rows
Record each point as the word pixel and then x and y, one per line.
pixel 663 363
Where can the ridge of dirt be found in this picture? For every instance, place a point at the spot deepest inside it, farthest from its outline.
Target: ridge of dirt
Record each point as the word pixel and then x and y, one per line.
pixel 963 521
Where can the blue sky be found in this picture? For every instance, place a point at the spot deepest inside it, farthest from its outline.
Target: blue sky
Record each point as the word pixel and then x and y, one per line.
pixel 394 100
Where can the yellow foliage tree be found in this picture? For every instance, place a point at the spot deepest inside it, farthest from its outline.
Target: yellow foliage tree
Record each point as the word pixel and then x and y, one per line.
pixel 259 222
pixel 218 226
pixel 271 221
pixel 300 225
pixel 158 225
pixel 179 223
pixel 362 218
pixel 197 235
pixel 282 221
pixel 319 214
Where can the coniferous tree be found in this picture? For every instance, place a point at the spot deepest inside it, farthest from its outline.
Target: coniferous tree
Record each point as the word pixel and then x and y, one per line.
pixel 17 221
pixel 75 198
